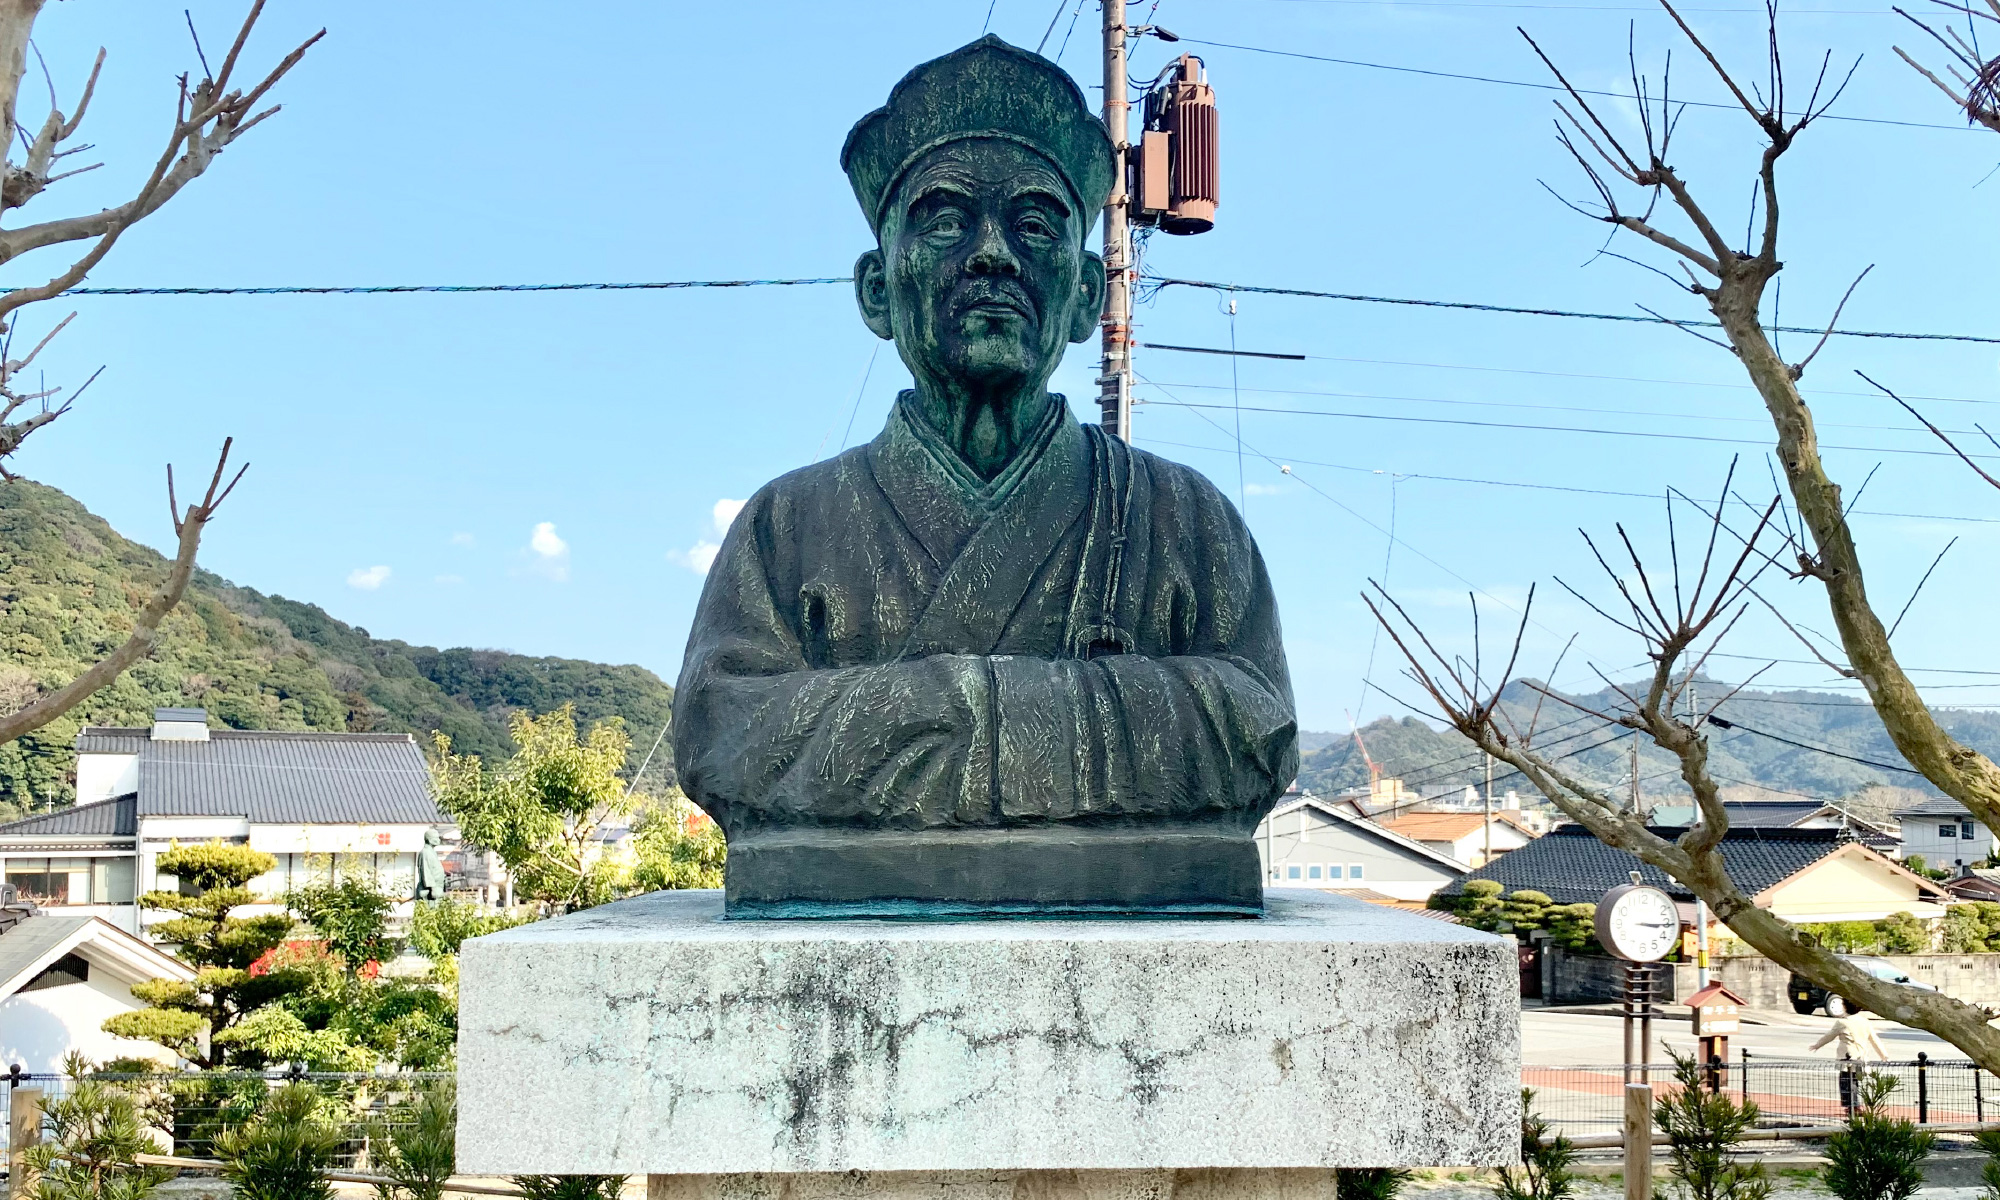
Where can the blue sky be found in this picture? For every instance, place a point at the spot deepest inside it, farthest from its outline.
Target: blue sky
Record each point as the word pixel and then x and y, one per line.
pixel 540 472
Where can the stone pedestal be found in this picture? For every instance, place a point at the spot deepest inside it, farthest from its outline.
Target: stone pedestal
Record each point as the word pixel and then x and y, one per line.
pixel 1169 1059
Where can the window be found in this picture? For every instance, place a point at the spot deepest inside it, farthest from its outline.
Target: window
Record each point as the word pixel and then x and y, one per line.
pixel 1354 870
pixel 1291 872
pixel 54 881
pixel 1312 872
pixel 1965 829
pixel 1948 831
pixel 1333 872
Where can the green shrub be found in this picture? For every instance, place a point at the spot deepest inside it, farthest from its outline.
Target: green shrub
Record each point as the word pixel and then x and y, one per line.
pixel 1544 1173
pixel 1703 1129
pixel 92 1140
pixel 1988 1141
pixel 1901 933
pixel 570 1187
pixel 1371 1183
pixel 1876 1157
pixel 284 1152
pixel 439 927
pixel 418 1150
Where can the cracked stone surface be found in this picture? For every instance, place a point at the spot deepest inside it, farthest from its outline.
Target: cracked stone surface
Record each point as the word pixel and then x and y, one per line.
pixel 652 1037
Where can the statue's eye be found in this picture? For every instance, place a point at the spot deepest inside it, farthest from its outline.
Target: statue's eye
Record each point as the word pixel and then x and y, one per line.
pixel 1036 224
pixel 947 222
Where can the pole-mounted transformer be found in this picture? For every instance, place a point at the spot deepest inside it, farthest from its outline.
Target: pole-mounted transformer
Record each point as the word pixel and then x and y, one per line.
pixel 1176 170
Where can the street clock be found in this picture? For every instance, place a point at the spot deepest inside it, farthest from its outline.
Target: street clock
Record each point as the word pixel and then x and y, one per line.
pixel 1638 922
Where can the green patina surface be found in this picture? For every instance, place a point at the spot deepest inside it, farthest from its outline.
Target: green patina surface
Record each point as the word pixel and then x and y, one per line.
pixel 993 660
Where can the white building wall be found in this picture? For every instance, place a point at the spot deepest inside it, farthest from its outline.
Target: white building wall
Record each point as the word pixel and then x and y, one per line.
pixel 103 776
pixel 38 1028
pixel 1923 834
pixel 1305 848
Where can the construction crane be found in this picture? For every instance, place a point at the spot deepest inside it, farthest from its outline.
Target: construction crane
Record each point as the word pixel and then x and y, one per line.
pixel 1374 768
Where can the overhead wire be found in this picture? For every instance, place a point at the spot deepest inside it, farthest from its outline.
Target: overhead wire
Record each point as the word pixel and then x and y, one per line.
pixel 1541 87
pixel 1866 762
pixel 1547 487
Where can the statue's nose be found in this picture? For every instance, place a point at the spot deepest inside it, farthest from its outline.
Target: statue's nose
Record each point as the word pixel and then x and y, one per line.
pixel 991 255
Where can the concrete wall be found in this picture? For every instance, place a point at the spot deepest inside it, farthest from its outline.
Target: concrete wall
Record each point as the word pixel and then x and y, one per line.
pixel 38 1028
pixel 1578 979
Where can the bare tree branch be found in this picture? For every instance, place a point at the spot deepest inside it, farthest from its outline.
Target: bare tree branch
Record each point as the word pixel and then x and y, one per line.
pixel 188 527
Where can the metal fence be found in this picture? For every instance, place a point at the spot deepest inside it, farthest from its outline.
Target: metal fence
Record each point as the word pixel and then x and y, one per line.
pixel 1789 1092
pixel 187 1109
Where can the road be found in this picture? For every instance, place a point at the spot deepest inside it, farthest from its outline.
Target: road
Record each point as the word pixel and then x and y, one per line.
pixel 1595 1037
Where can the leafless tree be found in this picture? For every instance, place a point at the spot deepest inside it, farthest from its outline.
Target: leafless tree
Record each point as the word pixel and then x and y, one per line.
pixel 1680 623
pixel 210 113
pixel 1977 78
pixel 1731 281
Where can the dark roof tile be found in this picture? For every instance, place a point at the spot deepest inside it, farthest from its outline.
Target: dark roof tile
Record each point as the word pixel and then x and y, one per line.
pixel 1571 866
pixel 115 818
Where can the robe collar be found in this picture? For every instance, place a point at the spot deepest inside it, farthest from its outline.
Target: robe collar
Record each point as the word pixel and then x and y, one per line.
pixel 942 501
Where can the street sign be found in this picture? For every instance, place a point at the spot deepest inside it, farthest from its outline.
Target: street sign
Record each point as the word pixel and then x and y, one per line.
pixel 1717 1011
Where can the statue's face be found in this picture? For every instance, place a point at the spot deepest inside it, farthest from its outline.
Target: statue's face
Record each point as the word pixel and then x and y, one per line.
pixel 981 276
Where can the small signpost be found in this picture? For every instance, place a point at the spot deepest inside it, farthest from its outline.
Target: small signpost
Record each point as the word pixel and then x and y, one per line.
pixel 1717 1012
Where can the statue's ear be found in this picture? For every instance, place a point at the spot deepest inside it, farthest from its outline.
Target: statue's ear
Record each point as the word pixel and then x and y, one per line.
pixel 1091 309
pixel 871 294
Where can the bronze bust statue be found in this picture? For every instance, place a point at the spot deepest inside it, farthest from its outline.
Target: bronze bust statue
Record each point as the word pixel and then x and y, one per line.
pixel 993 661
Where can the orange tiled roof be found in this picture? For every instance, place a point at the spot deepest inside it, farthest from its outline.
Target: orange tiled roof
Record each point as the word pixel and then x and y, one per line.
pixel 1441 826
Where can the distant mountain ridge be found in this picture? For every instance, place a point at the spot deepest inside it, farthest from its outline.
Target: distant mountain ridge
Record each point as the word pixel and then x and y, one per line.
pixel 69 584
pixel 1747 758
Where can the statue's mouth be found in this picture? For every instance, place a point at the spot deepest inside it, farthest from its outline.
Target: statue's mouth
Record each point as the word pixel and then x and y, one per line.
pixel 995 303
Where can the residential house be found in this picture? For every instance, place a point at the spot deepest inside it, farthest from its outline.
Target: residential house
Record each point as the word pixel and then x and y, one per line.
pixel 1313 843
pixel 1945 834
pixel 314 801
pixel 1803 875
pixel 1786 814
pixel 1465 836
pixel 62 977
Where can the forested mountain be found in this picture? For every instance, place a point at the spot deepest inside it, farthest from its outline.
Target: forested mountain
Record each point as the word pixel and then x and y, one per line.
pixel 69 584
pixel 1749 755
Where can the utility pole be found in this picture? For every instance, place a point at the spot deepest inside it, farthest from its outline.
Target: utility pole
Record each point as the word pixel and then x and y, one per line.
pixel 1114 384
pixel 1635 778
pixel 1487 855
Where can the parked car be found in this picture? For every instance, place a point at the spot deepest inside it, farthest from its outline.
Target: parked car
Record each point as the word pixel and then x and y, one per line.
pixel 1808 996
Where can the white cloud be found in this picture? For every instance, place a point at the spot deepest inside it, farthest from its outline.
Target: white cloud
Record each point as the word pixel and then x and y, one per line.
pixel 698 560
pixel 367 578
pixel 447 580
pixel 463 539
pixel 701 556
pixel 1262 489
pixel 725 514
pixel 550 553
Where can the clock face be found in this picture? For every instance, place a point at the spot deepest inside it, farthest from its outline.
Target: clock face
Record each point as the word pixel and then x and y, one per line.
pixel 1638 923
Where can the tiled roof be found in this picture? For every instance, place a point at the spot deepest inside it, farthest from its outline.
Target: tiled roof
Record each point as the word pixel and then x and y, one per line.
pixel 1442 826
pixel 1936 806
pixel 22 945
pixel 289 778
pixel 1572 867
pixel 115 818
pixel 111 739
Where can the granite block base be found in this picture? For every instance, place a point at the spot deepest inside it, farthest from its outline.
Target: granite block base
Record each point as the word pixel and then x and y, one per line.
pixel 654 1037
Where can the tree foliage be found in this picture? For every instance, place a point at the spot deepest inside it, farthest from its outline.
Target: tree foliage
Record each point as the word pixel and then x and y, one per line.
pixel 92 1138
pixel 1877 1156
pixel 418 1149
pixel 351 914
pixel 285 1151
pixel 1521 912
pixel 220 946
pixel 1703 1130
pixel 1546 1160
pixel 676 846
pixel 541 811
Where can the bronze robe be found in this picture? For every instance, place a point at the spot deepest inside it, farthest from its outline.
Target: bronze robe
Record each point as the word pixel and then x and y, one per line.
pixel 886 641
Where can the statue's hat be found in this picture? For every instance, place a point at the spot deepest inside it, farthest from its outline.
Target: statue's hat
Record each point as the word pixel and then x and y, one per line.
pixel 987 89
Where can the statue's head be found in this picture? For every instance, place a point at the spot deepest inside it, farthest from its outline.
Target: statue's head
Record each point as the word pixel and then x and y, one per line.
pixel 982 177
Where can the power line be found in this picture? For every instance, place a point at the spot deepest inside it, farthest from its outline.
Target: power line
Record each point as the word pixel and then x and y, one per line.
pixel 1540 87
pixel 1569 408
pixel 1407 475
pixel 1155 283
pixel 394 288
pixel 1866 762
pixel 1633 433
pixel 1158 283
